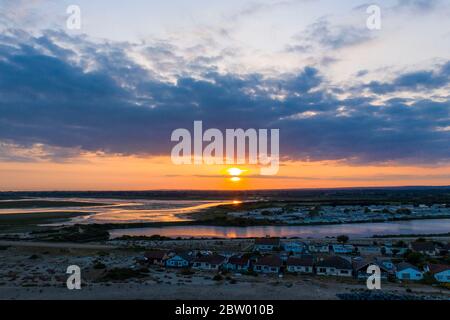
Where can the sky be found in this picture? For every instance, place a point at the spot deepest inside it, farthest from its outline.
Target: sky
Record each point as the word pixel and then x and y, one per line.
pixel 94 108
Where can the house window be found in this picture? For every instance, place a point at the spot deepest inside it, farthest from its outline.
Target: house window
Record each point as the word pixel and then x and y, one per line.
pixel 273 269
pixel 322 270
pixel 213 266
pixel 258 268
pixel 405 275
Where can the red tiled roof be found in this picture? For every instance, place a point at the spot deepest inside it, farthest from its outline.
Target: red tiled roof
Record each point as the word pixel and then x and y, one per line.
pixel 405 265
pixel 436 268
pixel 365 263
pixel 155 255
pixel 303 261
pixel 271 261
pixel 241 261
pixel 335 262
pixel 212 259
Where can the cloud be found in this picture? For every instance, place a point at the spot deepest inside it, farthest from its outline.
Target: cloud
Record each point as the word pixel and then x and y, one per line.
pixel 418 5
pixel 324 35
pixel 413 81
pixel 69 92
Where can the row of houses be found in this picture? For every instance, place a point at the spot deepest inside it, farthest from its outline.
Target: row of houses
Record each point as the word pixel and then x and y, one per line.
pixel 298 247
pixel 333 265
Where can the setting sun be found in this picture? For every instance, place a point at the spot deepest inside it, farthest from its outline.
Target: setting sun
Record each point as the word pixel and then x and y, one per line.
pixel 235 179
pixel 235 171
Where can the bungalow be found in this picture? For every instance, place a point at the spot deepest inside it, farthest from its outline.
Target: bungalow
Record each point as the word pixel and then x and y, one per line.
pixel 440 272
pixel 334 266
pixel 319 248
pixel 395 251
pixel 304 264
pixel 156 257
pixel 268 264
pixel 343 248
pixel 406 271
pixel 386 263
pixel 424 247
pixel 236 263
pixel 182 260
pixel 267 244
pixel 209 262
pixel 294 247
pixel 369 250
pixel 360 268
pixel 445 249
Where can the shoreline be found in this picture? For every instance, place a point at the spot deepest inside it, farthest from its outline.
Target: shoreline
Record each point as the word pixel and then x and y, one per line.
pixel 366 230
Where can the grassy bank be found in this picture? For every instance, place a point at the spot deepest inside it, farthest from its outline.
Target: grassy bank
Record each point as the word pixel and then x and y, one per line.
pixel 24 222
pixel 30 204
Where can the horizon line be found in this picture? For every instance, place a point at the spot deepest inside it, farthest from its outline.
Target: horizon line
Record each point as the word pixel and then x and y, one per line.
pixel 236 190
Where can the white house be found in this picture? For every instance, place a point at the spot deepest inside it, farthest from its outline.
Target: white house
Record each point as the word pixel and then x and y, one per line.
pixel 334 266
pixel 294 247
pixel 268 264
pixel 179 261
pixel 156 257
pixel 319 247
pixel 303 265
pixel 369 250
pixel 267 244
pixel 424 247
pixel 360 267
pixel 395 251
pixel 209 262
pixel 343 248
pixel 406 271
pixel 439 271
pixel 445 249
pixel 386 262
pixel 236 263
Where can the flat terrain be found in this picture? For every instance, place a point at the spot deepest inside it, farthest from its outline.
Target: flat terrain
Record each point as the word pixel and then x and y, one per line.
pixel 23 204
pixel 28 272
pixel 25 222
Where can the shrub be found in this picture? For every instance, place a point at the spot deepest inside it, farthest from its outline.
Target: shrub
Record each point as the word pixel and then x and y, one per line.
pixel 122 274
pixel 99 265
pixel 415 258
pixel 187 272
pixel 342 239
pixel 217 277
pixel 428 279
pixel 251 273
